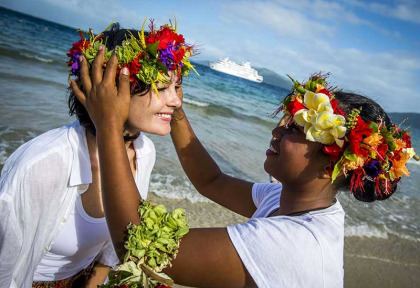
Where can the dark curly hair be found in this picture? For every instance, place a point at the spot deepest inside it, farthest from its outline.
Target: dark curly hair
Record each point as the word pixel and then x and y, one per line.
pixel 111 38
pixel 370 111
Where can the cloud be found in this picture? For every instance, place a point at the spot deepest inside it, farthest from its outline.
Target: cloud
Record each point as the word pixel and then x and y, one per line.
pixel 305 44
pixel 408 11
pixel 97 14
pixel 284 20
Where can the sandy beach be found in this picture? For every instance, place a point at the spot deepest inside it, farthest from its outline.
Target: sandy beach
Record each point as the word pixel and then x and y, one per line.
pixel 368 261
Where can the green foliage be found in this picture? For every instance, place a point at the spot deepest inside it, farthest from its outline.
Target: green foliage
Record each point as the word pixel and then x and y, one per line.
pixel 374 126
pixel 389 138
pixel 150 246
pixel 349 155
pixel 337 169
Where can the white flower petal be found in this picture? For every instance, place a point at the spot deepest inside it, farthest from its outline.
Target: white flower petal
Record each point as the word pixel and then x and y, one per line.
pixel 299 117
pixel 307 126
pixel 309 134
pixel 325 137
pixel 318 99
pixel 339 142
pixel 307 99
pixel 325 106
pixel 324 120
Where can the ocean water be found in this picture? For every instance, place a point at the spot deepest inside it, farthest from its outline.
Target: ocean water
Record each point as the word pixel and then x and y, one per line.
pixel 231 116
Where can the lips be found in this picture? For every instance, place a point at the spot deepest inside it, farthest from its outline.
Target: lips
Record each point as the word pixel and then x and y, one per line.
pixel 274 147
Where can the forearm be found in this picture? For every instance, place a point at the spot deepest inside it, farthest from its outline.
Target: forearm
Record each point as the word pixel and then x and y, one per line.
pixel 120 195
pixel 197 163
pixel 98 276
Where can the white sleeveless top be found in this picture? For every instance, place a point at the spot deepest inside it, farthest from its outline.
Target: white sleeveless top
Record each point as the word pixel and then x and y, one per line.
pixel 75 247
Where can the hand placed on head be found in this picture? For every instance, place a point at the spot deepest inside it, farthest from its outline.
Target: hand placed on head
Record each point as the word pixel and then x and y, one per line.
pixel 108 107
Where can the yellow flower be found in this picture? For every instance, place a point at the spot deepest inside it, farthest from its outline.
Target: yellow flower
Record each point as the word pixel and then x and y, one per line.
pixel 319 121
pixel 374 140
pixel 353 165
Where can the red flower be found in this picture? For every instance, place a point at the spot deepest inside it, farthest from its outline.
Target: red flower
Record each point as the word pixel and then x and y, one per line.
pixel 407 139
pixel 325 91
pixel 178 55
pixel 295 106
pixel 337 110
pixel 78 46
pixel 397 155
pixel 165 36
pixel 382 149
pixel 134 67
pixel 357 134
pixel 334 151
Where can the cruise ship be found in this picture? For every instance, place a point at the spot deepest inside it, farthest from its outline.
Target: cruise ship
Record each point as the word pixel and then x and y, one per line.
pixel 243 70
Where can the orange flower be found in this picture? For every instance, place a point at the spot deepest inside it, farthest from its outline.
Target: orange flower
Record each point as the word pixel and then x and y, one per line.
pixel 319 87
pixel 353 165
pixel 373 140
pixel 398 165
pixel 399 144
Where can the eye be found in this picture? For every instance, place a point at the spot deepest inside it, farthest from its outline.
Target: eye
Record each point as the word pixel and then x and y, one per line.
pixel 162 89
pixel 295 126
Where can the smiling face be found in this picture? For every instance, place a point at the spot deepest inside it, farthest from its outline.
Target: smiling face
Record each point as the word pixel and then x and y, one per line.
pixel 150 114
pixel 293 159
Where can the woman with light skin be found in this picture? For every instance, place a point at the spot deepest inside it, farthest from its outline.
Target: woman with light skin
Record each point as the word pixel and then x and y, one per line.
pixel 52 223
pixel 295 235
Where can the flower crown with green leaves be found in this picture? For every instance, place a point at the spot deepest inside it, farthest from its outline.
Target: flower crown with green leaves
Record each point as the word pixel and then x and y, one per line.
pixel 148 58
pixel 369 149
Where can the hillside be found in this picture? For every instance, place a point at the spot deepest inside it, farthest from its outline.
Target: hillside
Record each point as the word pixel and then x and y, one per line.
pixel 272 78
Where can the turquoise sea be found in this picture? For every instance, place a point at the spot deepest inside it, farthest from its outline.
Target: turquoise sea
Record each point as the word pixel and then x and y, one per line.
pixel 231 116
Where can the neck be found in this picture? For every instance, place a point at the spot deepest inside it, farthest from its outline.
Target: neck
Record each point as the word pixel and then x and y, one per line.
pixel 93 149
pixel 302 198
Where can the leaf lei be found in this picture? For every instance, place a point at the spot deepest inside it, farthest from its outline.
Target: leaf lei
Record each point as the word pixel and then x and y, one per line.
pixel 150 247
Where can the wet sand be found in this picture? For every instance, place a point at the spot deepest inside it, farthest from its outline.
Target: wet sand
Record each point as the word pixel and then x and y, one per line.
pixel 369 262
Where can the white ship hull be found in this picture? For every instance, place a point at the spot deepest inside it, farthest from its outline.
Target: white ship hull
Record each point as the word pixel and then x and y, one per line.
pixel 244 70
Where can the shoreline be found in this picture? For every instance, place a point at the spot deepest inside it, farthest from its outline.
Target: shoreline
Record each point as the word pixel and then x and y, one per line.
pixel 368 261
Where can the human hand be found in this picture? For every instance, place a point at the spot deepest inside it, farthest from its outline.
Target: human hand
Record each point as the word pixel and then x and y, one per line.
pixel 107 106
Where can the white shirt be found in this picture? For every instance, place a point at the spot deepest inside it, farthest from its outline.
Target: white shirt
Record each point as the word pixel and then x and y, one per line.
pixel 286 251
pixel 78 243
pixel 38 188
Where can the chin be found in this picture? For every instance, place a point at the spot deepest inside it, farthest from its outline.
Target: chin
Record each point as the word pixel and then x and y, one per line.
pixel 272 169
pixel 161 131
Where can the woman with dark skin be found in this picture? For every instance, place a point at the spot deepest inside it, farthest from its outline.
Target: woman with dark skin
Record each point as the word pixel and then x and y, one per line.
pixel 208 257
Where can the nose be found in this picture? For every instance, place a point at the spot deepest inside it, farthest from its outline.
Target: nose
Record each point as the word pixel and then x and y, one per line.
pixel 279 131
pixel 276 132
pixel 173 99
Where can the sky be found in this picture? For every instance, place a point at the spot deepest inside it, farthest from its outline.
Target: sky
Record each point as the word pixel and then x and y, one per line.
pixel 370 47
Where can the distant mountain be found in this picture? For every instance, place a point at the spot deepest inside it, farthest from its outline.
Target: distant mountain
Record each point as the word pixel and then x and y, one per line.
pixel 413 119
pixel 272 78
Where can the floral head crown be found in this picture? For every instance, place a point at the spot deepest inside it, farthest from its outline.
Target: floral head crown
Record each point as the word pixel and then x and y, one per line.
pixel 148 58
pixel 369 149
